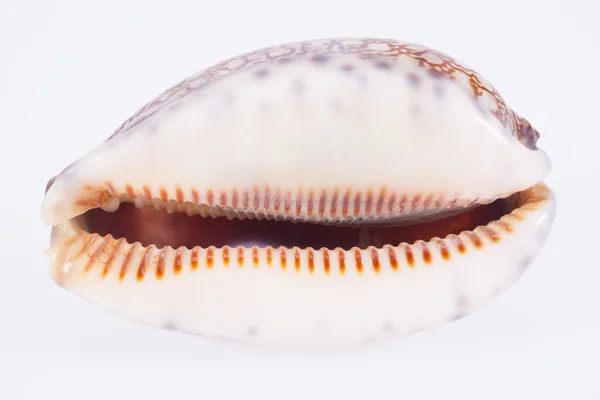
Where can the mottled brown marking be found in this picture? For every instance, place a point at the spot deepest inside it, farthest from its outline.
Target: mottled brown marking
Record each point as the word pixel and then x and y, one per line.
pixel 223 199
pixel 177 262
pixel 322 200
pixel 358 261
pixel 179 195
pixel 297 264
pixel 240 256
pixel 440 201
pixel 160 267
pixel 459 244
pixel 427 202
pixel 309 206
pixel 269 256
pixel 392 203
pixel 342 262
pixel 416 201
pixel 410 258
pixel 141 272
pixel 130 192
pixel 393 258
pixel 375 260
pixel 164 196
pixel 126 261
pixel 195 197
pixel 326 265
pixel 256 203
pixel 255 259
pixel 112 257
pixel 311 261
pixel 210 257
pixel 147 192
pixel 210 198
pixel 96 253
pixel 245 200
pixel 88 240
pixel 267 198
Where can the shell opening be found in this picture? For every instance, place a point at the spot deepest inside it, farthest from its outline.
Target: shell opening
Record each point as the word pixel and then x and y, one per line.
pixel 173 224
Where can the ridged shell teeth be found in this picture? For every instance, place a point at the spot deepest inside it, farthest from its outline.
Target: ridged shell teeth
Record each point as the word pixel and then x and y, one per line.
pixel 112 205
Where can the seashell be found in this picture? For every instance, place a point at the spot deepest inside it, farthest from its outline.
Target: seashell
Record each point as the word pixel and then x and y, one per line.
pixel 321 192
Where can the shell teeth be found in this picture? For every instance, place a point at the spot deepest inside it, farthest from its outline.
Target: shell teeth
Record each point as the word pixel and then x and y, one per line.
pixel 112 205
pixel 140 202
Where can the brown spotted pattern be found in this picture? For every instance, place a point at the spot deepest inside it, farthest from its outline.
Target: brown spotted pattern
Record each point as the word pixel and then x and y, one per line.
pixel 105 254
pixel 437 63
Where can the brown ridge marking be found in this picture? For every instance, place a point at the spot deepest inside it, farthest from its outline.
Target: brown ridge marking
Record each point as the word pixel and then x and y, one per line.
pixel 223 199
pixel 428 201
pixel 245 200
pixel 491 233
pixel 210 198
pixel 112 256
pixel 440 201
pixel 283 257
pixel 393 258
pixel 287 202
pixel 416 201
pixel 459 244
pixel 426 252
pixel 160 266
pixel 297 260
pixel 410 258
pixel 96 253
pixel 88 240
pixel 210 257
pixel 334 200
pixel 126 261
pixel 326 265
pixel 443 249
pixel 299 202
pixel 234 198
pixel 255 256
pixel 195 196
pixel 256 203
pixel 163 194
pixel 368 202
pixel 342 262
pixel 226 255
pixel 375 260
pixel 322 200
pixel 111 188
pixel 177 262
pixel 380 201
pixel 358 261
pixel 179 195
pixel 142 268
pixel 474 238
pixel 277 200
pixel 240 256
pixel 311 261
pixel 147 192
pixel 391 202
pixel 194 258
pixel 403 201
pixel 357 199
pixel 130 192
pixel 505 225
pixel 269 256
pixel 267 198
pixel 345 203
pixel 309 206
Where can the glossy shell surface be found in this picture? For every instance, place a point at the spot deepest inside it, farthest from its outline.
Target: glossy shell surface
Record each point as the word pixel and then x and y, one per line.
pixel 339 131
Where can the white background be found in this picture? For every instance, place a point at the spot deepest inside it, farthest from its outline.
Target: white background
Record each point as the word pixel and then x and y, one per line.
pixel 71 72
